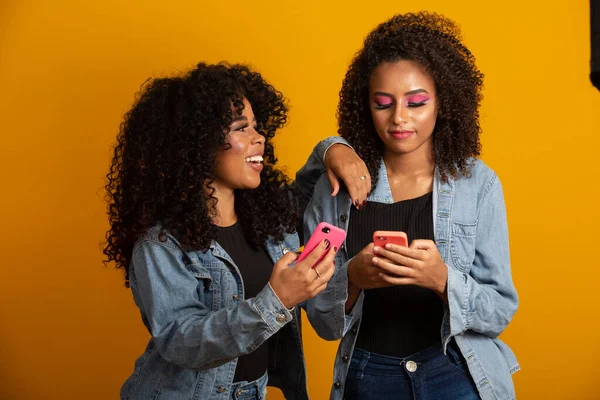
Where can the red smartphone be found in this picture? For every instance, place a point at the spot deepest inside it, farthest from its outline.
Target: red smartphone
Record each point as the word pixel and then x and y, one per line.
pixel 380 238
pixel 323 231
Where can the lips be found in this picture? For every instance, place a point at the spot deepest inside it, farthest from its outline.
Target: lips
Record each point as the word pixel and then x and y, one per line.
pixel 254 159
pixel 255 162
pixel 401 134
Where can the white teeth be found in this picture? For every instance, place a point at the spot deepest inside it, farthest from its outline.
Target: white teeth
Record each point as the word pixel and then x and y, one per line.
pixel 254 159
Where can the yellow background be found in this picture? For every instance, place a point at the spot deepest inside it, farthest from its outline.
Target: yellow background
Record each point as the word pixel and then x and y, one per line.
pixel 68 72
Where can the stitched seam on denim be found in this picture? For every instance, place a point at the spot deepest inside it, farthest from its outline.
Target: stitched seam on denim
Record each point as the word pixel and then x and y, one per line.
pixel 139 373
pixel 198 385
pixel 490 184
pixel 167 369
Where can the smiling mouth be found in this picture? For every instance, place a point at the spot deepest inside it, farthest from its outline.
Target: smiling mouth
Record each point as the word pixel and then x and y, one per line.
pixel 254 159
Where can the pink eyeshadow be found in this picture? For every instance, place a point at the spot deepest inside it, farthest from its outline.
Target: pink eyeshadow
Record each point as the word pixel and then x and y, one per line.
pixel 382 100
pixel 417 99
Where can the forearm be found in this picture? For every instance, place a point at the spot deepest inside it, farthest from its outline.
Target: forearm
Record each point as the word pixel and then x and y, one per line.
pixel 200 340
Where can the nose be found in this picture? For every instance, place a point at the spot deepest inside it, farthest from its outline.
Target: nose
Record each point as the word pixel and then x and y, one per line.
pixel 258 138
pixel 400 114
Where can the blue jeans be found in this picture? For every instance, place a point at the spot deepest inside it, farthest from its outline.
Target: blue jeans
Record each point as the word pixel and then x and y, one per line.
pixel 426 375
pixel 255 390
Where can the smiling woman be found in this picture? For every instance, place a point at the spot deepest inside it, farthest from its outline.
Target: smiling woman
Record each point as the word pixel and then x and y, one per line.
pixel 204 226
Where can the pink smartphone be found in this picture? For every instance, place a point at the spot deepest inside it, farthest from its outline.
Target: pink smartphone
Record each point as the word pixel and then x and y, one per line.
pixel 380 238
pixel 323 231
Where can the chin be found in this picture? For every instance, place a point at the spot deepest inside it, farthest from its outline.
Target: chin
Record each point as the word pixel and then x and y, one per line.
pixel 253 185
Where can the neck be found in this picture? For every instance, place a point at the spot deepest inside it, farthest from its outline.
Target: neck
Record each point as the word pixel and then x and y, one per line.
pixel 414 166
pixel 225 206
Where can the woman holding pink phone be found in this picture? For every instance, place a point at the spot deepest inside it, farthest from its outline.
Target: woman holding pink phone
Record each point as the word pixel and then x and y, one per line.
pixel 424 320
pixel 204 226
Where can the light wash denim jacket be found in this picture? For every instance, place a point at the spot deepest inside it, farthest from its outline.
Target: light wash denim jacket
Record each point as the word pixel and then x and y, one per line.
pixel 192 303
pixel 472 237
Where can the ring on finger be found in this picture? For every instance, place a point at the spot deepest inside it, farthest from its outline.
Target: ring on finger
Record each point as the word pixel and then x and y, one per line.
pixel 317 272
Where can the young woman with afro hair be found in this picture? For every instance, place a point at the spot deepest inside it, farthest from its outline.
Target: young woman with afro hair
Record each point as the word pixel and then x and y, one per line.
pixel 204 227
pixel 424 319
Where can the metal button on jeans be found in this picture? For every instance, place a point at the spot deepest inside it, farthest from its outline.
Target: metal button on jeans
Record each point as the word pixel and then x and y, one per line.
pixel 280 318
pixel 238 392
pixel 235 296
pixel 411 366
pixel 221 389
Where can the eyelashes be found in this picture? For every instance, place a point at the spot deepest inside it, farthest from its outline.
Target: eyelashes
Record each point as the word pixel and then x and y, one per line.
pixel 382 102
pixel 414 105
pixel 244 127
pixel 411 102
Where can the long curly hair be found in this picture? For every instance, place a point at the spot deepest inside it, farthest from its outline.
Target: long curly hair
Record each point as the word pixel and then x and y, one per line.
pixel 435 43
pixel 165 156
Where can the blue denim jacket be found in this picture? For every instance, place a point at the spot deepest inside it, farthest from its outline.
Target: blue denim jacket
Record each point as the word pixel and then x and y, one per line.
pixel 192 303
pixel 472 237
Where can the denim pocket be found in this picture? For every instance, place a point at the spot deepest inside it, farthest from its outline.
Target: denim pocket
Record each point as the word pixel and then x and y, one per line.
pixel 455 359
pixel 463 245
pixel 207 285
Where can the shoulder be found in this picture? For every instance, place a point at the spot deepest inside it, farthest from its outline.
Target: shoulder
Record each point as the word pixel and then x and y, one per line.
pixel 481 180
pixel 158 236
pixel 291 241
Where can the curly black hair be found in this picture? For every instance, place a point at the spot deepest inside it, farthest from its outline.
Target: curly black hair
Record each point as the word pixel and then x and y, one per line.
pixel 165 157
pixel 434 42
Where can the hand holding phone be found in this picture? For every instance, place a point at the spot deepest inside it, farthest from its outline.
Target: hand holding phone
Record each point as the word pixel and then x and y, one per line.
pixel 381 238
pixel 323 231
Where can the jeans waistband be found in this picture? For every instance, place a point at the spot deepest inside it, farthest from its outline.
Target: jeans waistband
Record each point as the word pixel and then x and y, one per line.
pixel 250 390
pixel 427 358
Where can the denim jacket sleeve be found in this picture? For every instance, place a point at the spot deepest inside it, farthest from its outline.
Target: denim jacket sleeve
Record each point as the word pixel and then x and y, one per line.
pixel 309 174
pixel 187 332
pixel 485 299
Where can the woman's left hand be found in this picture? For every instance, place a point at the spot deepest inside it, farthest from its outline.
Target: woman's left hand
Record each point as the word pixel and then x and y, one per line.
pixel 343 163
pixel 419 264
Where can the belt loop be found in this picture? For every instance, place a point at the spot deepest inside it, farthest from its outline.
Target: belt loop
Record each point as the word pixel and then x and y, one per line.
pixel 364 360
pixel 454 352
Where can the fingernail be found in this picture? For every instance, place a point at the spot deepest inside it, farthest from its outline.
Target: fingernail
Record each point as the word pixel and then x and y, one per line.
pixel 364 203
pixel 356 203
pixel 327 243
pixel 334 248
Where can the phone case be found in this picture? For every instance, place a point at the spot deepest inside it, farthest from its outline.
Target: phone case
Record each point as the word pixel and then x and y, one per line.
pixel 380 238
pixel 323 231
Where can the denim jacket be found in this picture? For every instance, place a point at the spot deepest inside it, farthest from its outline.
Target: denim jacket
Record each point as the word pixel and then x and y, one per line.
pixel 472 237
pixel 192 303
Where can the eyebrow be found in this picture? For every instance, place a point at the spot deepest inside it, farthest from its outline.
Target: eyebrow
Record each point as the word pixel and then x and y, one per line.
pixel 241 118
pixel 406 94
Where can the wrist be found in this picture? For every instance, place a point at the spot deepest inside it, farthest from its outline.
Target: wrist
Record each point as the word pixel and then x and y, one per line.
pixel 334 145
pixel 442 288
pixel 281 299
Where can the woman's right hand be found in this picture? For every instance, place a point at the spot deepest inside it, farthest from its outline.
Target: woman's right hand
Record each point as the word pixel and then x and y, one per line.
pixel 298 283
pixel 342 162
pixel 363 274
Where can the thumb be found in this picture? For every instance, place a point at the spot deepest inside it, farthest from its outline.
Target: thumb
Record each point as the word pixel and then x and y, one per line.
pixel 333 182
pixel 285 261
pixel 422 244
